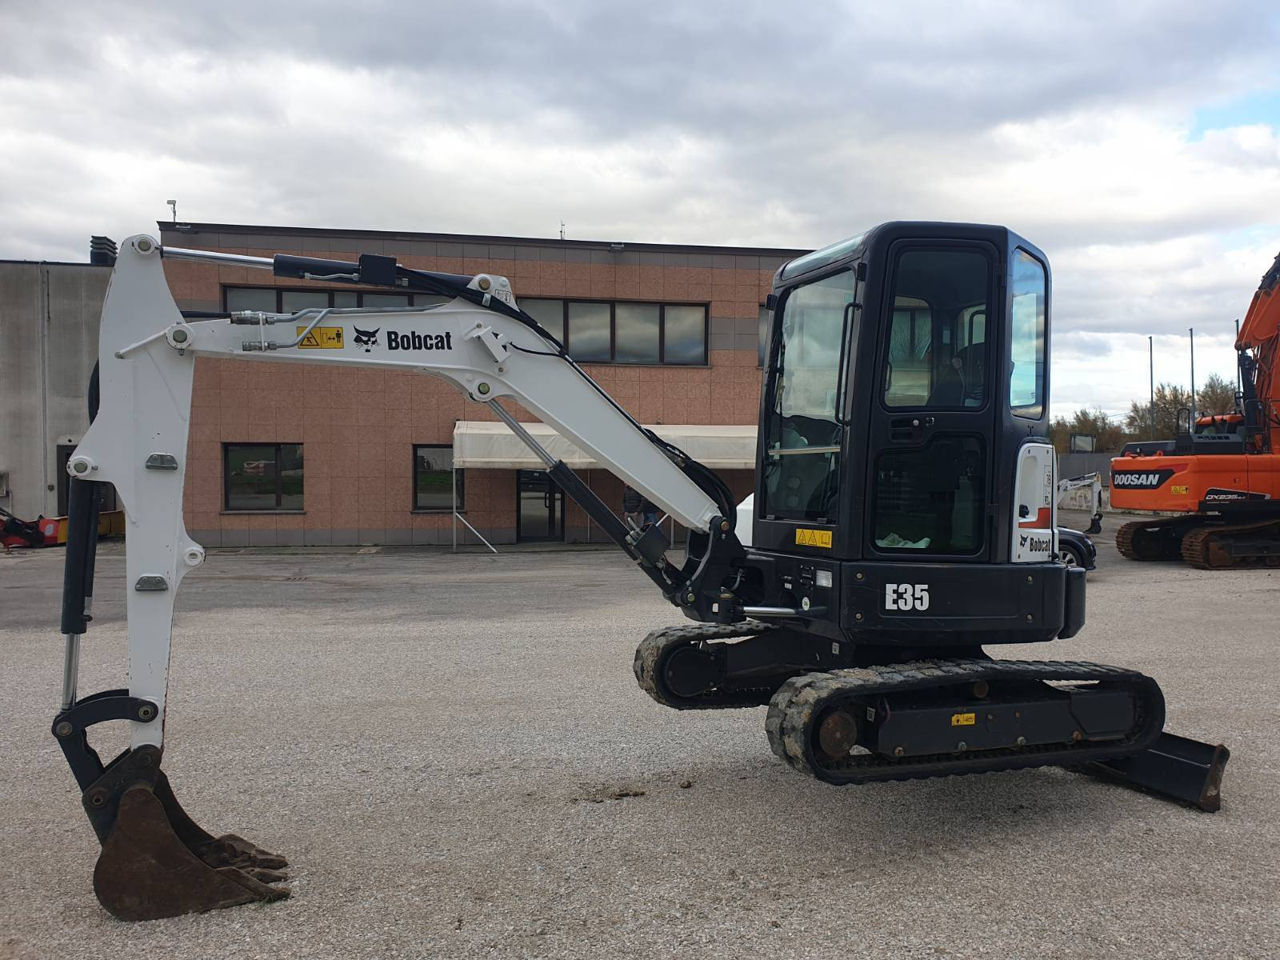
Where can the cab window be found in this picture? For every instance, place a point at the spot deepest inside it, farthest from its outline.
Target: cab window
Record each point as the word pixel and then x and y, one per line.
pixel 1026 342
pixel 937 343
pixel 803 428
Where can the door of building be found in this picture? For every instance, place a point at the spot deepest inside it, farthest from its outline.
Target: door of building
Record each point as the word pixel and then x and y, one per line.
pixel 539 507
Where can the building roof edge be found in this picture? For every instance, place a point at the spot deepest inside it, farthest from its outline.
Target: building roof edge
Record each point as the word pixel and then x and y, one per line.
pixel 186 228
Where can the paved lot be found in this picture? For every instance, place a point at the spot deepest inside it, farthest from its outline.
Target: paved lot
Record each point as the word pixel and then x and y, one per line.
pixel 454 755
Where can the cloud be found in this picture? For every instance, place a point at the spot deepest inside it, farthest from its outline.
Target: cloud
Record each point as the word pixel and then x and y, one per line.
pixel 1084 377
pixel 1090 131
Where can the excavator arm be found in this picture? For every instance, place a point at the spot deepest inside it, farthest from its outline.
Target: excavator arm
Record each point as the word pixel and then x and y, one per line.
pixel 1094 482
pixel 156 861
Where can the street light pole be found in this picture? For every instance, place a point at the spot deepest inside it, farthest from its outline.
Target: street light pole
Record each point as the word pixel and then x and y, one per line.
pixel 1192 424
pixel 1151 368
pixel 1239 377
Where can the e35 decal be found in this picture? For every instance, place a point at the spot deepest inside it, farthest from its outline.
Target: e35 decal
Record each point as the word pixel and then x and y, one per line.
pixel 906 596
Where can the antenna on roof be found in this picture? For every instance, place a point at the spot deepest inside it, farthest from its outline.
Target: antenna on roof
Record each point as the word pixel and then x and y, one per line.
pixel 173 205
pixel 561 229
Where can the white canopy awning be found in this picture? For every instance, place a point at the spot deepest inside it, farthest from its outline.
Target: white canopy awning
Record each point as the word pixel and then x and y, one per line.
pixel 479 444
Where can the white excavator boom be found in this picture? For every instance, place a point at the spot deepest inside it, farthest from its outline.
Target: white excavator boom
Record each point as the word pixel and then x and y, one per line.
pixel 138 441
pixel 156 861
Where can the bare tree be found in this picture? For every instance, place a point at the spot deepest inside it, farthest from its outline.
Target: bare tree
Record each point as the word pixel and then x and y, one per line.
pixel 1108 436
pixel 1170 398
pixel 1216 396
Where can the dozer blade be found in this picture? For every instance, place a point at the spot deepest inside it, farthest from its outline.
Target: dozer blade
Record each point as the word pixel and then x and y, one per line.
pixel 1184 770
pixel 157 862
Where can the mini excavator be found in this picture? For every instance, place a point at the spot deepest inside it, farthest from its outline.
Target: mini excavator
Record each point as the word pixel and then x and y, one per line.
pixel 1220 475
pixel 903 523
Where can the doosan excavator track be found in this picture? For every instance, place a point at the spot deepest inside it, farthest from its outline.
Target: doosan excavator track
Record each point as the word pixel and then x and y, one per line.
pixel 1217 546
pixel 1207 542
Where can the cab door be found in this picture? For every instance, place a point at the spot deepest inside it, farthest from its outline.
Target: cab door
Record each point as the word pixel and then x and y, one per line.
pixel 933 420
pixel 800 506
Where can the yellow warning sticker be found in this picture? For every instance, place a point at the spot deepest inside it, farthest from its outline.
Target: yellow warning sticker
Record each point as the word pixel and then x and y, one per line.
pixel 1179 489
pixel 813 538
pixel 963 719
pixel 321 338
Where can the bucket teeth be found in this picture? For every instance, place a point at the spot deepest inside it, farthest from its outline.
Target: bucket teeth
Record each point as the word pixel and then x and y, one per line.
pixel 232 851
pixel 266 876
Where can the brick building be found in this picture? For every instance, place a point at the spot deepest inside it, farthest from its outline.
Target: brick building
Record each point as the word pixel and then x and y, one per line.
pixel 283 454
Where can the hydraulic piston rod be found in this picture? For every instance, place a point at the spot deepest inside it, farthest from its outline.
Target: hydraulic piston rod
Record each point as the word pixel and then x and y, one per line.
pixel 211 256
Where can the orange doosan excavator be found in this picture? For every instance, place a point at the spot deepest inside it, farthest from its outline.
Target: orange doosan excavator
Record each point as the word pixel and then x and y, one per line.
pixel 1221 475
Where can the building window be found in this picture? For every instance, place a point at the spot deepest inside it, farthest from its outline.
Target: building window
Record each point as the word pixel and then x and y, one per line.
pixel 251 298
pixel 291 301
pixel 262 476
pixel 433 478
pixel 548 313
pixel 684 334
pixel 639 338
pixel 593 331
pixel 276 300
pixel 589 334
pixel 606 331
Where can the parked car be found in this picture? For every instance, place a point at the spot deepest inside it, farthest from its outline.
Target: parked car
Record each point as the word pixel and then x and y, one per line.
pixel 1075 549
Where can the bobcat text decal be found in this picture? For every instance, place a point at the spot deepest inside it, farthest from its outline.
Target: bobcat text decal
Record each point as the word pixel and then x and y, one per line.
pixel 413 340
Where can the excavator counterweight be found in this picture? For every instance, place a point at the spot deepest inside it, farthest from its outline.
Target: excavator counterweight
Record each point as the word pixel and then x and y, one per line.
pixel 903 522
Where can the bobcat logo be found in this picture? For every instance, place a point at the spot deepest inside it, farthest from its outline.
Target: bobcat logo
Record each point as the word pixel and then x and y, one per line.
pixel 1022 540
pixel 366 338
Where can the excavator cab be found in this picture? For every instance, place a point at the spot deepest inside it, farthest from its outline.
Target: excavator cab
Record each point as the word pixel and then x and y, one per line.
pixel 891 452
pixel 903 521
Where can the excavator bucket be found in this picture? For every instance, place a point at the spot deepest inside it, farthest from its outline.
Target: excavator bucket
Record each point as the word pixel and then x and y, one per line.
pixel 155 864
pixel 156 861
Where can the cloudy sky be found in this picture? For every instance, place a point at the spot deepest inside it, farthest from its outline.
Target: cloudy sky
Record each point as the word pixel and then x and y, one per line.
pixel 1138 144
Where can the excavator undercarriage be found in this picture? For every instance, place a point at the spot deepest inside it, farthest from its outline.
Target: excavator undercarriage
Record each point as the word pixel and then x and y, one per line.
pixel 847 724
pixel 1205 541
pixel 940 717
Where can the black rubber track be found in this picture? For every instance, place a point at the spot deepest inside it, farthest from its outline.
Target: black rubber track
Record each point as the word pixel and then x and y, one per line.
pixel 658 646
pixel 803 700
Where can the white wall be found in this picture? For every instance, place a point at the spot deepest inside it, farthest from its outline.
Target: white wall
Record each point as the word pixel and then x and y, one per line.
pixel 48 344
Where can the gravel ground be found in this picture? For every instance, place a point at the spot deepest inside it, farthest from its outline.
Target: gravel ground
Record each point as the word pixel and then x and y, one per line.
pixel 453 754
